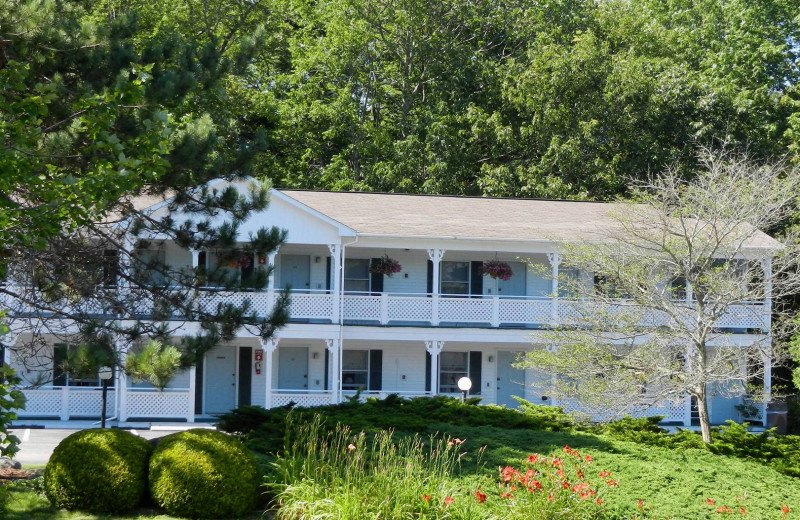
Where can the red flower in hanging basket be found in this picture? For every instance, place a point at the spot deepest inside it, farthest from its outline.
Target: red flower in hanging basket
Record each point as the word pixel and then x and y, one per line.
pixel 497 269
pixel 385 265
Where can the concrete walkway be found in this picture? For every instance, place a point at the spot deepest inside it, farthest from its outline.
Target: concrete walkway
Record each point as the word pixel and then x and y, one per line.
pixel 39 440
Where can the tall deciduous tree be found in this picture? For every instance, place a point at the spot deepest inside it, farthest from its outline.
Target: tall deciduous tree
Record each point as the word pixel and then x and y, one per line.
pixel 652 295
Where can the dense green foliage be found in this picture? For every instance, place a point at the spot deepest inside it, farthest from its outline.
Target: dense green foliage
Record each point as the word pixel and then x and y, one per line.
pixel 11 399
pixel 203 474
pixel 98 471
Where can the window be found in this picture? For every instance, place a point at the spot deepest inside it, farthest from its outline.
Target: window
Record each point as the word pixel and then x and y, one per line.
pixel 150 266
pixel 678 288
pixel 455 278
pixel 569 277
pixel 452 367
pixel 61 354
pixel 356 275
pixel 362 369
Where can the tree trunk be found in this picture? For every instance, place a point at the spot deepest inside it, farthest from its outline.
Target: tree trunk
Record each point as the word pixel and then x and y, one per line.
pixel 702 408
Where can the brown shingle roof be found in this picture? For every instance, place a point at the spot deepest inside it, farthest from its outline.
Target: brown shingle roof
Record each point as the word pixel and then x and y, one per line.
pixel 382 214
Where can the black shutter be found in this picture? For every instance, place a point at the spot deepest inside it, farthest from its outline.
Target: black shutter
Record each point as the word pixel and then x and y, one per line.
pixel 475 372
pixel 375 280
pixel 198 384
pixel 427 371
pixel 327 275
pixel 430 277
pixel 327 364
pixel 59 356
pixel 245 374
pixel 375 369
pixel 476 279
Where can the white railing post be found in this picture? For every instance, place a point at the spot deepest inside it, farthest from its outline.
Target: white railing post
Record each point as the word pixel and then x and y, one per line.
pixel 687 411
pixel 436 256
pixel 766 265
pixel 767 358
pixel 434 348
pixel 65 403
pixel 333 354
pixel 192 393
pixel 269 347
pixel 384 308
pixel 555 261
pixel 271 281
pixel 336 265
pixel 495 311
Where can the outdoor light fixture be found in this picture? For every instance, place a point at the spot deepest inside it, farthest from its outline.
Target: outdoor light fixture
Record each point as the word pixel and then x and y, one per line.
pixel 464 384
pixel 105 374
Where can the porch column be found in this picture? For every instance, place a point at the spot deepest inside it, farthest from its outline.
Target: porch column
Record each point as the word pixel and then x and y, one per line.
pixel 125 267
pixel 269 346
pixel 336 267
pixel 9 340
pixel 687 412
pixel 436 258
pixel 434 348
pixel 271 280
pixel 555 261
pixel 767 358
pixel 192 393
pixel 121 382
pixel 766 265
pixel 334 348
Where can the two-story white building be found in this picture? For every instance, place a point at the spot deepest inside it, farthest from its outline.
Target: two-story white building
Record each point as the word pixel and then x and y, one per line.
pixel 414 332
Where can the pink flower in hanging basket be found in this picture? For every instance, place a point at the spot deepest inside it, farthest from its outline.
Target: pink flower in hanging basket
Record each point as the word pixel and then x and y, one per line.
pixel 385 265
pixel 497 269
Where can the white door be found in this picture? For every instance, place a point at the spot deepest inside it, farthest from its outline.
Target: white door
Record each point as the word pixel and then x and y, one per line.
pixel 296 272
pixel 293 368
pixel 516 285
pixel 510 380
pixel 220 380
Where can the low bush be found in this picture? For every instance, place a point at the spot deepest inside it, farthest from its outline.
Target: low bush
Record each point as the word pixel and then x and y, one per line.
pixel 98 471
pixel 204 473
pixel 782 452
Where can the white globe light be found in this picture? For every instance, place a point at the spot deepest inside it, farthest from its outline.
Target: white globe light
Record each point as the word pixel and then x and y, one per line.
pixel 464 384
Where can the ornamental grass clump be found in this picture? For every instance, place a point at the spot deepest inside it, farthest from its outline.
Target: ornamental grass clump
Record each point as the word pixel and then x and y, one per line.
pixel 341 474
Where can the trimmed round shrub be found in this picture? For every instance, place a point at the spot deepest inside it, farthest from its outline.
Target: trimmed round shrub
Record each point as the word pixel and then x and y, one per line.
pixel 204 473
pixel 98 471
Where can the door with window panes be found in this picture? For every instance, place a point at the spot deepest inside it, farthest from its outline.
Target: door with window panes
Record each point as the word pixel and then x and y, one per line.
pixel 362 369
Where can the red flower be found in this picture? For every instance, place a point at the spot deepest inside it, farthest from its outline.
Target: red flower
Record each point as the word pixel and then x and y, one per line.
pixel 535 485
pixel 640 504
pixel 426 498
pixel 550 497
pixel 480 497
pixel 709 502
pixel 533 458
pixel 604 474
pixel 557 463
pixel 724 510
pixel 785 509
pixel 565 485
pixel 580 474
pixel 506 495
pixel 448 501
pixel 613 483
pixel 588 458
pixel 508 473
pixel 599 501
pixel 742 510
pixel 577 488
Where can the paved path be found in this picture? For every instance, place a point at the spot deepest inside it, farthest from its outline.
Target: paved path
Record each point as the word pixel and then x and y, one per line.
pixel 38 443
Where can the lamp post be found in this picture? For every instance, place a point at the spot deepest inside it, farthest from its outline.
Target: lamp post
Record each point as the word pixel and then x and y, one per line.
pixel 464 384
pixel 105 374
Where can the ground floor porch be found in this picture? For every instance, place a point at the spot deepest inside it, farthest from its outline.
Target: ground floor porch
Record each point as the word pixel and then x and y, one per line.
pixel 313 365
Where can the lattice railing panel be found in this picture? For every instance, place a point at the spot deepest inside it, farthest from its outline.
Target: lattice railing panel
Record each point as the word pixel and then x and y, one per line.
pixel 755 412
pixel 311 306
pixel 672 411
pixel 42 402
pixel 744 317
pixel 88 402
pixel 466 310
pixel 362 307
pixel 166 404
pixel 410 309
pixel 301 400
pixel 526 311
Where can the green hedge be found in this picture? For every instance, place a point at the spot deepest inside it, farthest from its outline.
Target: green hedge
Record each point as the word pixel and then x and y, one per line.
pixel 204 473
pixel 98 471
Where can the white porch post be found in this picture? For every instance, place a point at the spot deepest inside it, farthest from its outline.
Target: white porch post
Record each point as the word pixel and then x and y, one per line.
pixel 436 258
pixel 9 340
pixel 121 383
pixel 767 382
pixel 336 266
pixel 192 394
pixel 766 265
pixel 434 348
pixel 269 347
pixel 555 261
pixel 687 411
pixel 271 280
pixel 333 346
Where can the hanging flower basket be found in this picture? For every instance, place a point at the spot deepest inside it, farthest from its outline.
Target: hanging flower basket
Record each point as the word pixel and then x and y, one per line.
pixel 497 269
pixel 385 265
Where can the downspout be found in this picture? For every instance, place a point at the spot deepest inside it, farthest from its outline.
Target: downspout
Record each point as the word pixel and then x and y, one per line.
pixel 341 317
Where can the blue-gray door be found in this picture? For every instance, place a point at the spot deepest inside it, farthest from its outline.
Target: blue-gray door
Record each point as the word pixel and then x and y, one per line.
pixel 510 380
pixel 292 368
pixel 516 285
pixel 296 272
pixel 220 380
